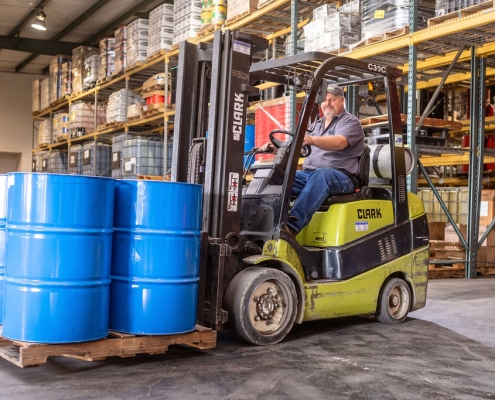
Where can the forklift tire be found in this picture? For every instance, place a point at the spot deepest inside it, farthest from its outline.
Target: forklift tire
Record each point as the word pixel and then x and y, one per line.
pixel 394 302
pixel 262 305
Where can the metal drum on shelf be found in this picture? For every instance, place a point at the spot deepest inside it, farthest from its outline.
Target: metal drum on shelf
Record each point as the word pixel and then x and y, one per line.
pixel 155 257
pixel 57 274
pixel 3 237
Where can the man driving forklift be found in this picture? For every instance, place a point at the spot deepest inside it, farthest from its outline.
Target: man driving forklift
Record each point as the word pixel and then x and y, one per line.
pixel 337 141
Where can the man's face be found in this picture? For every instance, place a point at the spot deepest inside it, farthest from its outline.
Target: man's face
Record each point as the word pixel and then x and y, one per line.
pixel 333 105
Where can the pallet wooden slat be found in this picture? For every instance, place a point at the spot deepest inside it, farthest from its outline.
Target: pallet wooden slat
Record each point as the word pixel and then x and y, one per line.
pixel 25 354
pixel 380 37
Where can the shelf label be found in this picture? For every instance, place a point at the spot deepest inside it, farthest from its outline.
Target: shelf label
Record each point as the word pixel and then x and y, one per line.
pixel 380 14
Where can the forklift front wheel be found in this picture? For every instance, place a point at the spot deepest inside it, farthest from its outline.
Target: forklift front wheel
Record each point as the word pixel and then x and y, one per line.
pixel 394 302
pixel 262 305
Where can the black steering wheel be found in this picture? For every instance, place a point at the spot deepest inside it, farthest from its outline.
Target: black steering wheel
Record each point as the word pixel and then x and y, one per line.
pixel 278 143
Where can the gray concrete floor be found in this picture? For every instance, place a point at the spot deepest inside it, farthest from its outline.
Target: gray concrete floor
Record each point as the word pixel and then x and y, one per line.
pixel 444 351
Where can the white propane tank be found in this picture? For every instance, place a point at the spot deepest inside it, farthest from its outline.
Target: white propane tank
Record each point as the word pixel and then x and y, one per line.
pixel 380 166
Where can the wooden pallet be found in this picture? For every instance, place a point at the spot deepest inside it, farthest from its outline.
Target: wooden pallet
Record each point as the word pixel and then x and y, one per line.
pixel 207 29
pixel 43 145
pixel 465 12
pixel 444 273
pixel 156 55
pixel 153 111
pixel 150 177
pixel 109 125
pixel 154 87
pixel 102 81
pixel 380 37
pixel 62 138
pixel 135 118
pixel 25 354
pixel 428 122
pixel 137 64
pixel 59 101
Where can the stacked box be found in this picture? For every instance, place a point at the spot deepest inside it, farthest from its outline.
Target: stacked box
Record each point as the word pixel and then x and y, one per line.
pixel 333 31
pixel 324 11
pixel 107 57
pixel 447 6
pixel 75 160
pixel 45 93
pixel 118 103
pixel 36 95
pixel 79 54
pixel 137 41
pixel 38 161
pixel 161 29
pixel 45 132
pixel 83 119
pixel 61 126
pixel 187 19
pixel 237 7
pixel 58 162
pixel 381 17
pixel 91 68
pixel 56 77
pixel 120 49
pixel 142 156
pixel 67 78
pixel 101 158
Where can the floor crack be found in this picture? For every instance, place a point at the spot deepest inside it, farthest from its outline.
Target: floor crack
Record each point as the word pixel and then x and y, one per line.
pixel 150 387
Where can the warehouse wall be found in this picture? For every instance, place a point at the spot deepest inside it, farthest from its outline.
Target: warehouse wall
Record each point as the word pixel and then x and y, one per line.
pixel 16 124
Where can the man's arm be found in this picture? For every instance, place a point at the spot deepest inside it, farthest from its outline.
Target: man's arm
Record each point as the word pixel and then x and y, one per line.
pixel 334 143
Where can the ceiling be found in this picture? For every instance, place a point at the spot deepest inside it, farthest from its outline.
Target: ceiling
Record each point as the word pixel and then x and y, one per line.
pixel 74 21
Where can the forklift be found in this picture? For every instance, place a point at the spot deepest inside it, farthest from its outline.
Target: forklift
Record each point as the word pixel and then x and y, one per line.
pixel 362 254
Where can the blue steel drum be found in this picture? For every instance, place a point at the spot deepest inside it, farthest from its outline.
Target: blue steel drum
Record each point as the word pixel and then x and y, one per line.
pixel 249 142
pixel 155 257
pixel 57 274
pixel 3 237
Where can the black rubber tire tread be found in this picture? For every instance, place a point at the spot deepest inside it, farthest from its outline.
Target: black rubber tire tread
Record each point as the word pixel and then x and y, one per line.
pixel 382 312
pixel 238 297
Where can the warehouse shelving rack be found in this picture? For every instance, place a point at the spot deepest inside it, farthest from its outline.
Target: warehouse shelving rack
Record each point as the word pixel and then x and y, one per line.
pixel 454 50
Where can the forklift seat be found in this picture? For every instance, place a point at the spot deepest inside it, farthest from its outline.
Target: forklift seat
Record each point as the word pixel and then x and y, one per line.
pixel 362 192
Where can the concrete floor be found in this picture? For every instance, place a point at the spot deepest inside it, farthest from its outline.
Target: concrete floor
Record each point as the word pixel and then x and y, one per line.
pixel 444 351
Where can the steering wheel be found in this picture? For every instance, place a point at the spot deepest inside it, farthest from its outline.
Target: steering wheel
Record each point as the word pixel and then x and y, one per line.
pixel 278 143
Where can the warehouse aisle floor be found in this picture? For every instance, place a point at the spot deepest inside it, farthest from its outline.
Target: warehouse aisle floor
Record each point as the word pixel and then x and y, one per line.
pixel 446 350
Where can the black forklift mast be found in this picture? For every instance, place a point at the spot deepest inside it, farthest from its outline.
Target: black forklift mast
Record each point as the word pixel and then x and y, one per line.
pixel 212 91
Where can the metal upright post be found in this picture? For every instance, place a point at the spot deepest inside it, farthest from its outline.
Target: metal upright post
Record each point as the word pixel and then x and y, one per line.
pixel 293 110
pixel 412 178
pixel 352 100
pixel 476 155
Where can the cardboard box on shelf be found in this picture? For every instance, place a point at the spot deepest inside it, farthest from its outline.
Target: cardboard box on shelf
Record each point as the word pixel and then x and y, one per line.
pixel 487 207
pixel 451 236
pixel 437 230
pixel 237 7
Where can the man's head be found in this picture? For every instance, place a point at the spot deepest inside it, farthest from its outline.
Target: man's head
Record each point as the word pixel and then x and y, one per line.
pixel 334 101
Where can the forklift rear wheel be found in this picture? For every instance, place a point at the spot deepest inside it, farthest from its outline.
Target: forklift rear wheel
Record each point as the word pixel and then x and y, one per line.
pixel 262 305
pixel 394 302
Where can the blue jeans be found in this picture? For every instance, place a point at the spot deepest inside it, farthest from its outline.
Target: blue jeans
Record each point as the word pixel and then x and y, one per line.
pixel 311 189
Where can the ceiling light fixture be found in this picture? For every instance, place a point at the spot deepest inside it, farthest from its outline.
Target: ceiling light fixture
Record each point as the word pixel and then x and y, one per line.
pixel 39 23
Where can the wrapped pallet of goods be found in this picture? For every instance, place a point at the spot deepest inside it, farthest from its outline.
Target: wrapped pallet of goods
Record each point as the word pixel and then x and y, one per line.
pixel 187 19
pixel 56 77
pixel 67 78
pixel 45 93
pixel 137 41
pixel 84 119
pixel 78 73
pixel 107 58
pixel 45 133
pixel 120 49
pixel 91 68
pixel 237 8
pixel 36 96
pixel 382 17
pixel 443 7
pixel 118 103
pixel 161 29
pixel 333 29
pixel 61 126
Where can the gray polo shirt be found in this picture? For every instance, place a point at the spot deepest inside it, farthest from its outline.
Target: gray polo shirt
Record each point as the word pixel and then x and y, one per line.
pixel 346 125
